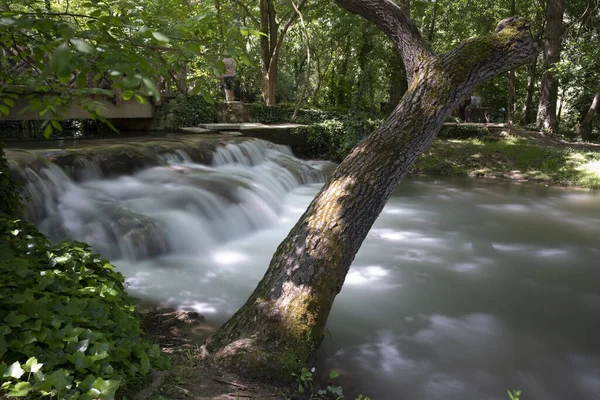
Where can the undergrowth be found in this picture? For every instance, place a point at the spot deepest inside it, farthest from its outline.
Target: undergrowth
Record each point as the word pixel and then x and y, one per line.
pixel 68 329
pixel 515 159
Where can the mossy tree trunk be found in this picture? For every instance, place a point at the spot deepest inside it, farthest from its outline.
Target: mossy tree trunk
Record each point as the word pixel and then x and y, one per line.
pixel 283 321
pixel 546 115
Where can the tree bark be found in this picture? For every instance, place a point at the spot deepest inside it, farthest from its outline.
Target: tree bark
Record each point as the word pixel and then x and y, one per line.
pixel 278 328
pixel 512 81
pixel 586 125
pixel 546 116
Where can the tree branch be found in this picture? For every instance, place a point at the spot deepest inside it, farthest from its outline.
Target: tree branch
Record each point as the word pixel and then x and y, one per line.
pixel 247 10
pixel 286 27
pixel 478 59
pixel 390 18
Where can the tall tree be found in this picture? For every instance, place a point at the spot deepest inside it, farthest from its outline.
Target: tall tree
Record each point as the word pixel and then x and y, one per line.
pixel 284 319
pixel 271 43
pixel 546 116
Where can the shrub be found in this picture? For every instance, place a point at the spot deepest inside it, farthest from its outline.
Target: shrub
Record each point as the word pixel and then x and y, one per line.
pixel 334 138
pixel 68 329
pixel 282 113
pixel 188 111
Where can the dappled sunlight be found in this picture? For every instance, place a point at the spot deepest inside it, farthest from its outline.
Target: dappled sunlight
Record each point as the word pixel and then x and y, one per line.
pixel 366 275
pixel 515 208
pixel 412 237
pixel 396 211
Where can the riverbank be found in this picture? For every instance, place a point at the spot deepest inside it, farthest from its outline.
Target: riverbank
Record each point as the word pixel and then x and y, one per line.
pixel 515 154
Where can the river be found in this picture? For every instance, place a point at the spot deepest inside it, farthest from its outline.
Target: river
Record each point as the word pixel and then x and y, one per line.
pixel 463 288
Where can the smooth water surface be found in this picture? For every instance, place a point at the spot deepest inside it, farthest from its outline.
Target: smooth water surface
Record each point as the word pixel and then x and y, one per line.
pixel 462 290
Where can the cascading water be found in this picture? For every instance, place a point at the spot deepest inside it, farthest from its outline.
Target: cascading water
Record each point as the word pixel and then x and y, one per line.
pixel 179 207
pixel 463 289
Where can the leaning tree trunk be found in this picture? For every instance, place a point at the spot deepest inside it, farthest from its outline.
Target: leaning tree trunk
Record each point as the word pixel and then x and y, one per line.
pixel 283 321
pixel 546 116
pixel 586 126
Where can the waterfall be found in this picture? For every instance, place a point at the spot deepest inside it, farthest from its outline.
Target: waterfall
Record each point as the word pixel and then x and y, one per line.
pixel 178 206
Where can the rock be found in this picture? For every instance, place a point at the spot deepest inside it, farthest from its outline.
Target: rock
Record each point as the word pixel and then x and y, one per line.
pixel 180 319
pixel 234 112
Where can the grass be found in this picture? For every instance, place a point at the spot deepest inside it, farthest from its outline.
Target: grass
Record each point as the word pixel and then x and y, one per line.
pixel 512 159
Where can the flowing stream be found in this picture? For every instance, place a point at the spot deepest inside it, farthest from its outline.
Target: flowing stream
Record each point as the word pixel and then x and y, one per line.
pixel 463 289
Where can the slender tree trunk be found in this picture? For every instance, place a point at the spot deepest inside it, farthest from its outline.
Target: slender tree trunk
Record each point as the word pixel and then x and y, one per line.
pixel 529 111
pixel 283 321
pixel 341 83
pixel 431 32
pixel 271 44
pixel 398 78
pixel 546 116
pixel 586 125
pixel 510 107
pixel 512 81
pixel 307 81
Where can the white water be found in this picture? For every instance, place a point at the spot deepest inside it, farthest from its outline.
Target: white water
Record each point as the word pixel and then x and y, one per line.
pixel 462 289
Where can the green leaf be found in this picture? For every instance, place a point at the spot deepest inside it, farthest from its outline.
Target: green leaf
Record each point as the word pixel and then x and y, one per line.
pixel 8 102
pixel 207 97
pixel 14 370
pixel 58 379
pixel 32 365
pixel 4 109
pixel 56 125
pixel 333 374
pixel 127 94
pixel 161 37
pixel 48 131
pixel 20 389
pixel 151 88
pixel 107 388
pixel 60 59
pixel 14 319
pixel 131 81
pixel 140 99
pixel 82 46
pixel 81 80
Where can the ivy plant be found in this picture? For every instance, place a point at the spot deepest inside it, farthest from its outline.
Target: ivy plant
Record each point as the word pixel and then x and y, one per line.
pixel 68 329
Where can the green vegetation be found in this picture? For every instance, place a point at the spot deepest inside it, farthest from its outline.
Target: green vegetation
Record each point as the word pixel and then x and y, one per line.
pixel 69 329
pixel 188 111
pixel 512 159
